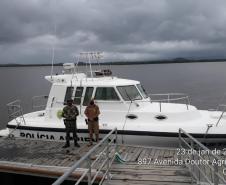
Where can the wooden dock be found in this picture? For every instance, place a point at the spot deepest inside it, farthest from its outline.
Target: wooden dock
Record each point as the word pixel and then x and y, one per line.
pixel 39 158
pixel 48 159
pixel 143 166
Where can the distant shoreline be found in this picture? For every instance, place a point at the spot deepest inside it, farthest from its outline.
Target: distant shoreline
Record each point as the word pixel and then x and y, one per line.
pixel 175 61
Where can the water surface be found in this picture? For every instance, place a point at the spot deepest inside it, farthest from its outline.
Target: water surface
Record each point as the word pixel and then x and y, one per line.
pixel 204 82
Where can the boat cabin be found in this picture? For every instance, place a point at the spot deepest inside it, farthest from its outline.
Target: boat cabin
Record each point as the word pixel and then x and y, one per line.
pixel 110 93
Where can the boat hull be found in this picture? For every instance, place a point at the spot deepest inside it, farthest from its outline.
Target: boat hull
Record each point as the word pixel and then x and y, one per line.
pixel 146 138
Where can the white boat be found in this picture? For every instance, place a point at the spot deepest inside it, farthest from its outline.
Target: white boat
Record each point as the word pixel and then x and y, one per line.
pixel 139 118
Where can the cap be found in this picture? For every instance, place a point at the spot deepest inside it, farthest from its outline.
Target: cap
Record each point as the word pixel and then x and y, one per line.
pixel 69 100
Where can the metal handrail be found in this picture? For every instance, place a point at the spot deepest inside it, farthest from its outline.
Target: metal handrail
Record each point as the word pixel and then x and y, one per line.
pixel 171 97
pixel 36 101
pixel 14 103
pixel 15 111
pixel 222 112
pixel 87 158
pixel 198 171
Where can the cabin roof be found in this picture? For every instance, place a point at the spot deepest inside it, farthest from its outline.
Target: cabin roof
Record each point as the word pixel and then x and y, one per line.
pixel 81 80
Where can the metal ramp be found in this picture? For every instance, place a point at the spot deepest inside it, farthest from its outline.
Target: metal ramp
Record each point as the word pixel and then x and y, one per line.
pixel 208 167
pixel 137 165
pixel 101 163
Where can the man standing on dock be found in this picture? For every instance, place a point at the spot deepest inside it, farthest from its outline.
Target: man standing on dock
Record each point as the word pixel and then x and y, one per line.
pixel 70 113
pixel 92 112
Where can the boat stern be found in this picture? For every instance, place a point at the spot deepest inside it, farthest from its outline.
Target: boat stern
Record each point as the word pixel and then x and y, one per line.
pixel 4 132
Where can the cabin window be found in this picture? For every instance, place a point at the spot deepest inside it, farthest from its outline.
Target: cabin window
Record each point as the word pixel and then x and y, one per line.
pixel 129 93
pixel 88 95
pixel 142 91
pixel 78 95
pixel 106 93
pixel 68 94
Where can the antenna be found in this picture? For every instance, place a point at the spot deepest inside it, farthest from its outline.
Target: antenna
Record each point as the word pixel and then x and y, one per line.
pixel 98 56
pixel 53 45
pixel 53 52
pixel 90 66
pixel 90 56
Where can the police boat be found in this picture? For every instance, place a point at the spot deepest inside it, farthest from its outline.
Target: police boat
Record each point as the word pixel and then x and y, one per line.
pixel 139 117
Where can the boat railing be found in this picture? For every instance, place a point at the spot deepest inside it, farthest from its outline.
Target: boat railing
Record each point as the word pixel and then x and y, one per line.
pixel 39 102
pixel 104 160
pixel 205 165
pixel 222 109
pixel 15 111
pixel 169 98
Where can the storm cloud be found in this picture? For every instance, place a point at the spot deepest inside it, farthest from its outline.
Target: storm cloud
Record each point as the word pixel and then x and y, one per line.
pixel 122 29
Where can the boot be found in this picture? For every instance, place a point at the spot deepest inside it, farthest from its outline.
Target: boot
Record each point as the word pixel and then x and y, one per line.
pixel 90 144
pixel 67 144
pixel 76 144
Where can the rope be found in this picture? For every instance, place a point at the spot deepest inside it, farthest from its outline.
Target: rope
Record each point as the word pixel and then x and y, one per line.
pixel 118 158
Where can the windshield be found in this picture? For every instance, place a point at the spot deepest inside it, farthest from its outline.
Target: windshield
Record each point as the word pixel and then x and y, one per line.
pixel 129 93
pixel 142 90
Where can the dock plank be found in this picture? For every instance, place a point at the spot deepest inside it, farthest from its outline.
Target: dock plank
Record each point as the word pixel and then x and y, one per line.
pixel 131 172
pixel 149 177
pixel 134 182
pixel 40 157
pixel 136 154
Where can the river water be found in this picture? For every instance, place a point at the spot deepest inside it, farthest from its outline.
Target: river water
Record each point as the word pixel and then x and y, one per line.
pixel 205 83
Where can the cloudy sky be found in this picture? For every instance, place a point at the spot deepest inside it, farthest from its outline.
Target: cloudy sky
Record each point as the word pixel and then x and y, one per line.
pixel 122 29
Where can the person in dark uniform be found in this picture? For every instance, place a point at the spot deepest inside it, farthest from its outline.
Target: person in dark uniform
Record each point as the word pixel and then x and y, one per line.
pixel 70 113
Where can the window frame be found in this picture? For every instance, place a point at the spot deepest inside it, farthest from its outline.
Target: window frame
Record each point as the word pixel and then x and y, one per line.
pixel 141 97
pixel 81 95
pixel 89 97
pixel 142 91
pixel 116 93
pixel 67 96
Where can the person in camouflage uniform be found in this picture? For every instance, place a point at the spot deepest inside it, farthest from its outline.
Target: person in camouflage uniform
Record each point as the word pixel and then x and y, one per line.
pixel 70 113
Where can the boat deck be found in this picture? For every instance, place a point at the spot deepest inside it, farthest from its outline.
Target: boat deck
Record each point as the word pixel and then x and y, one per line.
pixel 48 159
